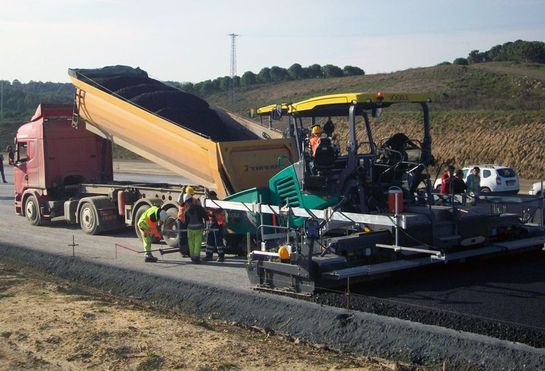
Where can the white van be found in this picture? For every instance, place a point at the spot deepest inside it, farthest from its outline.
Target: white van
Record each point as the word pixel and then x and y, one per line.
pixel 494 178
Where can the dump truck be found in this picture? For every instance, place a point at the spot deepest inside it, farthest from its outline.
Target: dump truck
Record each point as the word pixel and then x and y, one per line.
pixel 336 216
pixel 63 165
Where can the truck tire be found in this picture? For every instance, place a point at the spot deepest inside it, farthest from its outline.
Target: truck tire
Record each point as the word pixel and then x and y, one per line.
pixel 170 229
pixel 141 210
pixel 485 190
pixel 32 211
pixel 88 219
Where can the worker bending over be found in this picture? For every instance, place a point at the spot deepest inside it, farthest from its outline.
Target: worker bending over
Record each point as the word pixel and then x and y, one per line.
pixel 148 224
pixel 216 219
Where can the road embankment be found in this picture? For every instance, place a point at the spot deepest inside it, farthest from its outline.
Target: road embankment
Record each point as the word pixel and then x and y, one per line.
pixel 338 328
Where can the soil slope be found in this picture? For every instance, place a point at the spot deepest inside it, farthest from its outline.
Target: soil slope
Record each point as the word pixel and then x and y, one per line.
pixel 49 324
pixel 483 113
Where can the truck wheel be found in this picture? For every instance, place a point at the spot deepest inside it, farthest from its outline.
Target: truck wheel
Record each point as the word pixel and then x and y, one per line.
pixel 32 211
pixel 485 190
pixel 170 229
pixel 141 210
pixel 88 220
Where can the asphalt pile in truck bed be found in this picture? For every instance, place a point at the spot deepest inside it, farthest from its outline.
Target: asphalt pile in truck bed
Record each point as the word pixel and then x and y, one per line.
pixel 181 108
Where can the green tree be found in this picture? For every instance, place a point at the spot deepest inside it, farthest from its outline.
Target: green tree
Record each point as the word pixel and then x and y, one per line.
pixel 188 87
pixel 476 57
pixel 278 74
pixel 330 70
pixel 225 83
pixel 264 76
pixel 248 78
pixel 206 87
pixel 236 81
pixel 518 51
pixel 314 71
pixel 460 61
pixel 296 72
pixel 353 71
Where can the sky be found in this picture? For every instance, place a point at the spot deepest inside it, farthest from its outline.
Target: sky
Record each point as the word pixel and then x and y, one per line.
pixel 188 40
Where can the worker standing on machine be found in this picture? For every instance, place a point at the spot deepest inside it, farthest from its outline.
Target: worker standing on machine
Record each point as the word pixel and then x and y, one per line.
pixel 214 240
pixel 148 224
pixel 195 217
pixel 315 139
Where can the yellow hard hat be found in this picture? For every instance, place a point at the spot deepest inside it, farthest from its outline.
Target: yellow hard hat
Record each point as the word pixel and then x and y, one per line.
pixel 189 190
pixel 316 130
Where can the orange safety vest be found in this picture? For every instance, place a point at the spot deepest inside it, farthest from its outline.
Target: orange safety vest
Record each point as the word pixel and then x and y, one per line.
pixel 217 216
pixel 181 213
pixel 314 144
pixel 146 225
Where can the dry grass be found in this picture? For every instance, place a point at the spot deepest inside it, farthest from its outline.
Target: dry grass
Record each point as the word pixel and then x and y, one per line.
pixel 49 325
pixel 507 138
pixel 485 113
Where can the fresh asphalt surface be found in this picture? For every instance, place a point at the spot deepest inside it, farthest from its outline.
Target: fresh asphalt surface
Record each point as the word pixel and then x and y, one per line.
pixel 509 289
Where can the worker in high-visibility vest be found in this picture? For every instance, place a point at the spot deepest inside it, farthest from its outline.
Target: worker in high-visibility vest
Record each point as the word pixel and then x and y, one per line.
pixel 195 217
pixel 149 225
pixel 315 139
pixel 214 239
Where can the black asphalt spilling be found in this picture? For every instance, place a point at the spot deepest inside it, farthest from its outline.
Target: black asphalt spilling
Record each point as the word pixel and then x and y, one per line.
pixel 337 328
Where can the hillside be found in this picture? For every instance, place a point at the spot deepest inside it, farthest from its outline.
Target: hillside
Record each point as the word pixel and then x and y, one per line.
pixel 486 112
pixel 485 86
pixel 483 113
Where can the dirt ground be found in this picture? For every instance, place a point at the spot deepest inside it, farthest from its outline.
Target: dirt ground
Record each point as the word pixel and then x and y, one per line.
pixel 48 324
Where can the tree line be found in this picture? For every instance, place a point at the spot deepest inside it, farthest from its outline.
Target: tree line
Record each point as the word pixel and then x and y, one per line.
pixel 18 101
pixel 268 75
pixel 517 51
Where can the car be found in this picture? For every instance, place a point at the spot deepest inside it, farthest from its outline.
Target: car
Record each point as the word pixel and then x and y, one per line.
pixel 494 179
pixel 537 188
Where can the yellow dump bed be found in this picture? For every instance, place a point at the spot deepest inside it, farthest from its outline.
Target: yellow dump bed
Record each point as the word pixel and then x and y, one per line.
pixel 226 167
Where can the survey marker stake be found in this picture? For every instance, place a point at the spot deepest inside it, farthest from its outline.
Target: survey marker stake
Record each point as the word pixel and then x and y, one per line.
pixel 74 244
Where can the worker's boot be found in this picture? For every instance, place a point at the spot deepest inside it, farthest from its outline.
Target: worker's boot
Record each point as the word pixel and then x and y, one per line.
pixel 184 252
pixel 150 258
pixel 208 257
pixel 221 258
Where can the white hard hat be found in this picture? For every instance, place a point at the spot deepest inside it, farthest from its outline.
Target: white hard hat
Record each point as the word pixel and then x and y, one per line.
pixel 163 216
pixel 187 197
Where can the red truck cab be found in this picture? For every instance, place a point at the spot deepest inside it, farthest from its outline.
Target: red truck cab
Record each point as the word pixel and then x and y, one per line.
pixel 52 159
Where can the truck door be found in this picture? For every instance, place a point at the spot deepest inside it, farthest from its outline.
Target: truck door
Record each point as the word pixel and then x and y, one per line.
pixel 20 169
